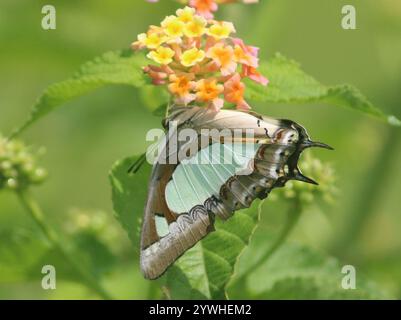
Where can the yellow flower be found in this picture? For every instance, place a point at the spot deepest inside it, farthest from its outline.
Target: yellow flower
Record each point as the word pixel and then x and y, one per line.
pixel 196 27
pixel 173 27
pixel 221 30
pixel 186 15
pixel 151 40
pixel 208 90
pixel 162 55
pixel 192 56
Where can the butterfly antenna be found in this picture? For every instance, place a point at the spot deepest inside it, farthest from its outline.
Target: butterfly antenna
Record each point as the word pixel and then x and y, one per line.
pixel 138 164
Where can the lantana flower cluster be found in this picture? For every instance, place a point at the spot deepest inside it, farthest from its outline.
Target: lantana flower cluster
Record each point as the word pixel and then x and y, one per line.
pixel 18 169
pixel 199 60
pixel 206 8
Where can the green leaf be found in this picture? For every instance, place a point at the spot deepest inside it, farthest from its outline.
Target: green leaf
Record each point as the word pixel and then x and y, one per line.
pixel 92 253
pixel 129 191
pixel 18 253
pixel 289 84
pixel 112 68
pixel 155 99
pixel 203 271
pixel 297 272
pixel 23 254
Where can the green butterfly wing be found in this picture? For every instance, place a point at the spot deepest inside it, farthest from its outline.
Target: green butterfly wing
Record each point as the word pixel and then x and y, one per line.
pixel 200 178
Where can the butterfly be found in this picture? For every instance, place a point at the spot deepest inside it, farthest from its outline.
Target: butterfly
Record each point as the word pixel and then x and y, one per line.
pixel 186 193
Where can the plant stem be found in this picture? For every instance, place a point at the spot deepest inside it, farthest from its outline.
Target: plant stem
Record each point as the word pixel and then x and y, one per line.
pixel 293 215
pixel 36 213
pixel 168 108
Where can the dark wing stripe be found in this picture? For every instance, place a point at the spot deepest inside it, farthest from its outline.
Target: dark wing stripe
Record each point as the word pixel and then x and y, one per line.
pixel 236 194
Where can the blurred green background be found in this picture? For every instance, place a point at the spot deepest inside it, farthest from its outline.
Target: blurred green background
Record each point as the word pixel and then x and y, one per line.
pixel 86 136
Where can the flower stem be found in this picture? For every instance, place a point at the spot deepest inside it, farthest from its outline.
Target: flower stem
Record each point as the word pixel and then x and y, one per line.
pixel 36 213
pixel 168 108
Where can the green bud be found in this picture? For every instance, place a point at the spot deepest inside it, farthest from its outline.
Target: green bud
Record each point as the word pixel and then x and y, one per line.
pixel 321 172
pixel 96 222
pixel 12 183
pixel 18 169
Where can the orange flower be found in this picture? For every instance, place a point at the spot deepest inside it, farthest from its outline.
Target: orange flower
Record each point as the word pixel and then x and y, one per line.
pixel 181 86
pixel 234 92
pixel 223 56
pixel 244 54
pixel 208 90
pixel 204 7
pixel 158 74
pixel 243 57
pixel 254 75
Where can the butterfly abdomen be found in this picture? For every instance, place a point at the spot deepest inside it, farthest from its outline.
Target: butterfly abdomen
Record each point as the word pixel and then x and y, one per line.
pixel 183 234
